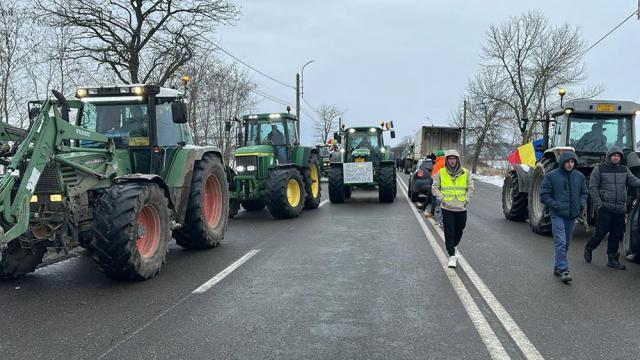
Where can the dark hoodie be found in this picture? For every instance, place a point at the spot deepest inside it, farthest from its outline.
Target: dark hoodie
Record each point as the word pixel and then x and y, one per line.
pixel 608 184
pixel 564 192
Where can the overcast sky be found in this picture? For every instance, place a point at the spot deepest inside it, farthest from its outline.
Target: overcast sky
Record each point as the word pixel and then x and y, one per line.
pixel 406 60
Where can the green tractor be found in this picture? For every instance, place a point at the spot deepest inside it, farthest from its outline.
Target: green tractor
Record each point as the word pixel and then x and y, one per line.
pixel 364 162
pixel 114 171
pixel 325 159
pixel 272 169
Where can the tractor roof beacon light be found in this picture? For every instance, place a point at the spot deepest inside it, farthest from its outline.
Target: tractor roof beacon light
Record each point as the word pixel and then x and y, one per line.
pixel 185 79
pixel 562 92
pixel 80 93
pixel 288 109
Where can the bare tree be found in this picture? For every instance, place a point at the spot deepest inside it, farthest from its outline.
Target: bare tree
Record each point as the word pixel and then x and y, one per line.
pixel 534 58
pixel 139 41
pixel 327 121
pixel 486 116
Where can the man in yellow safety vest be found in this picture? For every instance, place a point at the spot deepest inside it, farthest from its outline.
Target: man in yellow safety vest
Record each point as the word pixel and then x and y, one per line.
pixel 453 186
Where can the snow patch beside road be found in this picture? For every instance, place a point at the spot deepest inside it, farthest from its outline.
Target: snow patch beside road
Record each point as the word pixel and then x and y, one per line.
pixel 493 180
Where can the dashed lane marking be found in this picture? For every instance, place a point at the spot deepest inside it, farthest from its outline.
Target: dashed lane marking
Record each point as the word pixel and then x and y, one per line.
pixel 224 273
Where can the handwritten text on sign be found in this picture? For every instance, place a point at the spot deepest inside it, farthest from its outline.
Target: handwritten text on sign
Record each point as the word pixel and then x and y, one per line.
pixel 358 173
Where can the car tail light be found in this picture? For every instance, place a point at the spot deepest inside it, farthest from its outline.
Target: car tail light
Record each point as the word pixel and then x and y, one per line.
pixel 420 173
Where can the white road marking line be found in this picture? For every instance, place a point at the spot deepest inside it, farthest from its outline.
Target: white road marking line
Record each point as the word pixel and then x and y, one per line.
pixel 487 335
pixel 137 331
pixel 518 336
pixel 322 203
pixel 222 274
pixel 512 328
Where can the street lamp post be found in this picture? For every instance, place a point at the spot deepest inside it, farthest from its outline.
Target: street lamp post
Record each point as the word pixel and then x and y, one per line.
pixel 299 92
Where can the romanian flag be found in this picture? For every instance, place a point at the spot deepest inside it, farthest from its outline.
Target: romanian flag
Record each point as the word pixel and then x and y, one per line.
pixel 527 154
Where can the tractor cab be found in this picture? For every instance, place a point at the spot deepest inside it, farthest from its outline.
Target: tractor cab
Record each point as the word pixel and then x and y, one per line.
pixel 276 133
pixel 591 127
pixel 147 120
pixel 363 144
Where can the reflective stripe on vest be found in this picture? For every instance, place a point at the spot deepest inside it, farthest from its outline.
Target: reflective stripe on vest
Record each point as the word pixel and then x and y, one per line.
pixel 451 190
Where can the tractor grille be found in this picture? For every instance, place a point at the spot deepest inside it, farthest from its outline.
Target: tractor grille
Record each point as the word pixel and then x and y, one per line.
pixel 247 161
pixel 48 182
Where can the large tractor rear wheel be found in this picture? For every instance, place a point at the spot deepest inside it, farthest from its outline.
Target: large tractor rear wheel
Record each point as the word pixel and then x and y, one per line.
pixel 16 261
pixel 539 217
pixel 312 183
pixel 514 202
pixel 386 184
pixel 131 231
pixel 337 188
pixel 285 193
pixel 208 206
pixel 253 205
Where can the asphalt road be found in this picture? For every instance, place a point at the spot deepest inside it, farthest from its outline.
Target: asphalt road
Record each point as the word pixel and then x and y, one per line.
pixel 352 281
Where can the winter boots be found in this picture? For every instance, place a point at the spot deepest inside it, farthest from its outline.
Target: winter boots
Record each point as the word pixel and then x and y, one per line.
pixel 613 261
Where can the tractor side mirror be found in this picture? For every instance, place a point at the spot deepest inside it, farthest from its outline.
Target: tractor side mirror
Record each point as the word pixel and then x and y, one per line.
pixel 227 126
pixel 179 112
pixel 337 137
pixel 393 134
pixel 240 139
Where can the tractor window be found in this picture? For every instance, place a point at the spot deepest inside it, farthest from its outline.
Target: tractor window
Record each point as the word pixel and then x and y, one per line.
pixel 169 133
pixel 127 124
pixel 293 132
pixel 556 131
pixel 265 133
pixel 362 140
pixel 597 133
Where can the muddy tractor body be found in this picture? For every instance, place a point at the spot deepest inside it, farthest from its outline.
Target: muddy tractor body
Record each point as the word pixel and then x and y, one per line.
pixel 114 171
pixel 588 127
pixel 363 162
pixel 272 168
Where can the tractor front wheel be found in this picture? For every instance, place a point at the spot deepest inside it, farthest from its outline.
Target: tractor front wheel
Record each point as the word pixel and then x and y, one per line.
pixel 514 202
pixel 386 184
pixel 539 217
pixel 16 261
pixel 208 206
pixel 337 188
pixel 312 183
pixel 131 231
pixel 285 193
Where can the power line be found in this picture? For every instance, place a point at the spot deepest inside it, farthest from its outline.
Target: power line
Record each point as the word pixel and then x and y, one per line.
pixel 609 33
pixel 269 97
pixel 309 104
pixel 247 65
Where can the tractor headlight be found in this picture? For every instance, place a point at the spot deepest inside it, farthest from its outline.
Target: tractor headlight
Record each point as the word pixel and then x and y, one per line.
pixel 80 93
pixel 342 151
pixel 240 168
pixel 138 90
pixel 251 168
pixel 382 149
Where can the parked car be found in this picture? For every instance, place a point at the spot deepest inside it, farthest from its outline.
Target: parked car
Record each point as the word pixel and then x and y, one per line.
pixel 420 180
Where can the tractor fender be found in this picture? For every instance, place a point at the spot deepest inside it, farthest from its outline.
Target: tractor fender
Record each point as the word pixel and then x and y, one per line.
pixel 306 154
pixel 523 172
pixel 149 178
pixel 199 151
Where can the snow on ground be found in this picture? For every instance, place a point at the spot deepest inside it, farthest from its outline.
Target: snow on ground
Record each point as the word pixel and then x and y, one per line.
pixel 493 180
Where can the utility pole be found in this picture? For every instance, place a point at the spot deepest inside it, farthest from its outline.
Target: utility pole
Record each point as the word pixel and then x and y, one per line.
pixel 464 134
pixel 298 102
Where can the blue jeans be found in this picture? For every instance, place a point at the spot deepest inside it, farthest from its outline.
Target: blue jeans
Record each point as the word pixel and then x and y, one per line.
pixel 562 229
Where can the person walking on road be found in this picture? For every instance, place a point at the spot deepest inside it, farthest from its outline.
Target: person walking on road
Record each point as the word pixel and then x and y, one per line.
pixel 438 164
pixel 608 187
pixel 453 186
pixel 564 192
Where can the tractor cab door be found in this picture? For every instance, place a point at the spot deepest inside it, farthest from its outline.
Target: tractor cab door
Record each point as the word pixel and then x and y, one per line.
pixel 170 136
pixel 292 137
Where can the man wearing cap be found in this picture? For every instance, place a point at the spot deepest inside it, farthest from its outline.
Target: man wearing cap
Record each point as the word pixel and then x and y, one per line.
pixel 608 188
pixel 453 186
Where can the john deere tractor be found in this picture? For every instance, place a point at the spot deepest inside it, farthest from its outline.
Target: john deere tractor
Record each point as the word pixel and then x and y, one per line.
pixel 114 171
pixel 588 127
pixel 324 155
pixel 364 162
pixel 273 169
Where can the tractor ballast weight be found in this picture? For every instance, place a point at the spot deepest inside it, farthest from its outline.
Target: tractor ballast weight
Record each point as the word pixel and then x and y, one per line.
pixel 120 177
pixel 364 162
pixel 588 127
pixel 272 169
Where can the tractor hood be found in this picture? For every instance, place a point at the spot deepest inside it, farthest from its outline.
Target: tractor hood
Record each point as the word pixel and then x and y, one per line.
pixel 361 152
pixel 259 150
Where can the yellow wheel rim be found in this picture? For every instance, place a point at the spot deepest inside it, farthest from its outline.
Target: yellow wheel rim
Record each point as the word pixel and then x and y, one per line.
pixel 293 193
pixel 315 181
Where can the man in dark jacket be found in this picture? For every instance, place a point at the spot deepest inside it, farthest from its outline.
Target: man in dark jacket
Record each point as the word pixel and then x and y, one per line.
pixel 564 192
pixel 608 187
